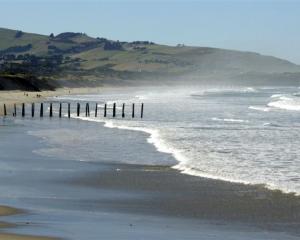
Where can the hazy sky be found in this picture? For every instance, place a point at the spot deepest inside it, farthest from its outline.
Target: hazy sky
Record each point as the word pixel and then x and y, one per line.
pixel 270 27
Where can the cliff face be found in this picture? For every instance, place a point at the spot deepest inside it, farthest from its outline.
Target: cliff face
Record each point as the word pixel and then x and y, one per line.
pixel 26 83
pixel 75 59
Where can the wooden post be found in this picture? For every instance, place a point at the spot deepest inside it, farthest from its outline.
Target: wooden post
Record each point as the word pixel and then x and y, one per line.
pixel 23 109
pixel 87 110
pixel 123 110
pixel 32 110
pixel 78 109
pixel 42 110
pixel 96 110
pixel 114 110
pixel 69 110
pixel 132 110
pixel 50 112
pixel 15 110
pixel 4 110
pixel 60 108
pixel 105 109
pixel 142 110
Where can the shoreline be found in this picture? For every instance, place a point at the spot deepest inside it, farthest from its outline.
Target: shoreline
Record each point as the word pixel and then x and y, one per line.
pixel 17 97
pixel 179 158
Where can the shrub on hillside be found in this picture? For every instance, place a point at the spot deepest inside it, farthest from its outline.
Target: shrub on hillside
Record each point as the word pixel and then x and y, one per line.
pixel 112 46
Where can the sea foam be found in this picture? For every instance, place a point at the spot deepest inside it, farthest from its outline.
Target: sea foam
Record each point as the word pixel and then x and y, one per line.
pixel 286 103
pixel 200 156
pixel 232 120
pixel 259 108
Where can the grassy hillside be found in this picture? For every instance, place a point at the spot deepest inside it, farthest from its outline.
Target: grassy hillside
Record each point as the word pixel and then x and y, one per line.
pixel 72 59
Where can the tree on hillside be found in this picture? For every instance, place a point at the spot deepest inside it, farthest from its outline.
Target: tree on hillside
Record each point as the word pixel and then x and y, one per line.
pixel 19 34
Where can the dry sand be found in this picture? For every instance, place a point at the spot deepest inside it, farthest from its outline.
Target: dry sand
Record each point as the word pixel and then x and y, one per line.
pixel 7 211
pixel 11 97
pixel 8 236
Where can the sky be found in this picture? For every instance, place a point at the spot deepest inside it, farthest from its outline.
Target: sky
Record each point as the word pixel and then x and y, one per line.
pixel 269 27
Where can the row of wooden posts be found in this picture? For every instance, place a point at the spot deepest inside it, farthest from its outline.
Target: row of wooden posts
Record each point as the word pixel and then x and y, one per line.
pixel 87 110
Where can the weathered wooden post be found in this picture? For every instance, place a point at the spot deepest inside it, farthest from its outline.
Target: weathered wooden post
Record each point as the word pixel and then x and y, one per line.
pixel 123 110
pixel 96 110
pixel 4 110
pixel 105 109
pixel 60 109
pixel 23 109
pixel 42 110
pixel 15 110
pixel 132 110
pixel 114 110
pixel 142 110
pixel 69 110
pixel 32 110
pixel 51 111
pixel 87 110
pixel 78 109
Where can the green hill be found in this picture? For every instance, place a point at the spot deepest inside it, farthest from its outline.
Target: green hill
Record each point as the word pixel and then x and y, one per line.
pixel 75 59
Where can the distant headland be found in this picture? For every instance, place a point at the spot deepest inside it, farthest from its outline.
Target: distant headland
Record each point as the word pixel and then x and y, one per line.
pixel 35 62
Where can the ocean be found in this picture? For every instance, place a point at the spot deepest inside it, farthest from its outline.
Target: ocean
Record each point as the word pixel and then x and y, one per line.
pixel 247 135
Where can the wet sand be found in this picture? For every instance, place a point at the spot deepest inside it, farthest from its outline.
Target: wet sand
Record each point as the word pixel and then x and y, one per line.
pixel 171 193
